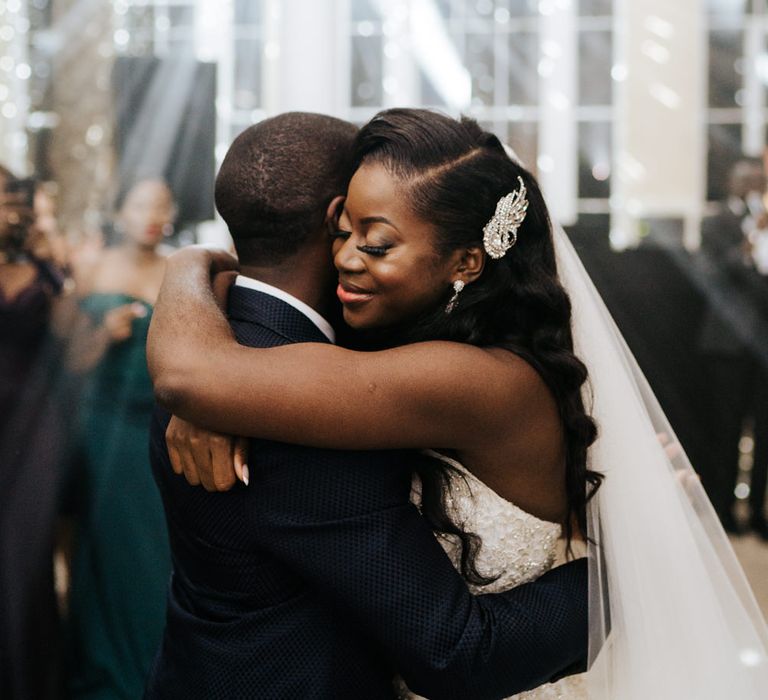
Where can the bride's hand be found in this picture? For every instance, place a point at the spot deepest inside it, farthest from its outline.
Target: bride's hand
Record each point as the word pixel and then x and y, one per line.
pixel 204 457
pixel 188 319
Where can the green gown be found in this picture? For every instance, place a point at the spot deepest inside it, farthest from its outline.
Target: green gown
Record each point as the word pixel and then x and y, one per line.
pixel 121 565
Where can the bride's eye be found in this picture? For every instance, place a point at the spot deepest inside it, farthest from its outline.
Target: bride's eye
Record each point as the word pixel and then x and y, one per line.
pixel 338 233
pixel 376 250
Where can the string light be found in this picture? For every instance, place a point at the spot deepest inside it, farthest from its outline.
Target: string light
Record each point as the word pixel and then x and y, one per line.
pixel 122 37
pixel 94 135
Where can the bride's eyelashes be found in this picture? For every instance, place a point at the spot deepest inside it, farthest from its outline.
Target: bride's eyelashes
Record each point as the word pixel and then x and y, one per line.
pixel 375 250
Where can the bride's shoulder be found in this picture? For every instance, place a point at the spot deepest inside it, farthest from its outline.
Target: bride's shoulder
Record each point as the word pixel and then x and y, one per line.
pixel 515 369
pixel 489 383
pixel 486 366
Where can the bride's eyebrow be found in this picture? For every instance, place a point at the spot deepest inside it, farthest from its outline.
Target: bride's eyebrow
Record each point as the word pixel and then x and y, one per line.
pixel 378 220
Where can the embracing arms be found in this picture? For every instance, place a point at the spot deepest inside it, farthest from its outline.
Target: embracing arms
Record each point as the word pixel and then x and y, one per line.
pixel 341 522
pixel 434 393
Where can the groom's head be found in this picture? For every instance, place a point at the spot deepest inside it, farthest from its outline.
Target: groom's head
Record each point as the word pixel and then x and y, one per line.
pixel 277 181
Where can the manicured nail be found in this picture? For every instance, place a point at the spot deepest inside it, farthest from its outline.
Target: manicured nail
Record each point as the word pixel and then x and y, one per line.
pixel 246 474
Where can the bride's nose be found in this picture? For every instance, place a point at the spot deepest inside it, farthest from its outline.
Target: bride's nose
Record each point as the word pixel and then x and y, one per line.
pixel 347 258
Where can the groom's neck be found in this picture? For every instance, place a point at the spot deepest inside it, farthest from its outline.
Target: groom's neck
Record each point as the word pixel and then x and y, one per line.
pixel 297 278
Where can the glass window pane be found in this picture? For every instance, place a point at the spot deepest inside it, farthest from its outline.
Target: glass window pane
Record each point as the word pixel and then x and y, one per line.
pixel 520 8
pixel 247 86
pixel 595 62
pixel 181 16
pixel 430 97
pixel 724 151
pixel 727 8
pixel 444 7
pixel 248 11
pixel 482 9
pixel 367 71
pixel 595 145
pixel 523 57
pixel 523 137
pixel 235 129
pixel 478 58
pixel 182 46
pixel 595 8
pixel 725 52
pixel 364 10
pixel 139 20
pixel 141 43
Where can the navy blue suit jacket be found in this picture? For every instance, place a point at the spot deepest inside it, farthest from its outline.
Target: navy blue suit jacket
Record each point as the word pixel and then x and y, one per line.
pixel 321 580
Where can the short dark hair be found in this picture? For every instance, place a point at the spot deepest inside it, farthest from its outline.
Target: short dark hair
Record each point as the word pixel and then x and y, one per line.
pixel 277 180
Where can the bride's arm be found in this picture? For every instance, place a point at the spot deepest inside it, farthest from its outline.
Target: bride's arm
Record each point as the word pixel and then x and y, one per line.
pixel 435 393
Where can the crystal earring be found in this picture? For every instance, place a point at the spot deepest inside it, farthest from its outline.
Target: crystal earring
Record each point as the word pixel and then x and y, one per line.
pixel 458 286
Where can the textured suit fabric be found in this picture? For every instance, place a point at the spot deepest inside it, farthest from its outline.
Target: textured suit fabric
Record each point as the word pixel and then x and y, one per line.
pixel 321 580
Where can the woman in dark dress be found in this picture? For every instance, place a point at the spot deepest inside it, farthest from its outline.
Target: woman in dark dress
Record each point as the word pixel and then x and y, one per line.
pixel 31 448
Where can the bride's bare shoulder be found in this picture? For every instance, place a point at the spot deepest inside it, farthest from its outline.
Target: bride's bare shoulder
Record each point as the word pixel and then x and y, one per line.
pixel 515 369
pixel 483 381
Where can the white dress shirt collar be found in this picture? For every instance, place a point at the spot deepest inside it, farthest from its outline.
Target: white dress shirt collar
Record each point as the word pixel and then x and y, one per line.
pixel 300 306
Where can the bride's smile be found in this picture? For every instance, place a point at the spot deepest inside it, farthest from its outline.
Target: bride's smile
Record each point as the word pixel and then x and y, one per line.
pixel 391 267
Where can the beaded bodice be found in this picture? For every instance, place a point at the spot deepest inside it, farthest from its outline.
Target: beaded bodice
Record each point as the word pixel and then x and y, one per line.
pixel 517 547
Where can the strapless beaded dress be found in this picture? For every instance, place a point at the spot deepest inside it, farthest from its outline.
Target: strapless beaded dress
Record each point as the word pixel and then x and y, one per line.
pixel 517 547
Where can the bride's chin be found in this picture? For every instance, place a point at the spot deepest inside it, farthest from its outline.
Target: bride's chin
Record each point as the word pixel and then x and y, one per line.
pixel 357 321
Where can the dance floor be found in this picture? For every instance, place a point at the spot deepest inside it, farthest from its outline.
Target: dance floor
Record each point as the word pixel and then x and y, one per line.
pixel 753 553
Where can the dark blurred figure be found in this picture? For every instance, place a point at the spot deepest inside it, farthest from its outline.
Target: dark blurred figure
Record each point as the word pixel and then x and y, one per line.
pixel 732 343
pixel 31 440
pixel 658 302
pixel 121 563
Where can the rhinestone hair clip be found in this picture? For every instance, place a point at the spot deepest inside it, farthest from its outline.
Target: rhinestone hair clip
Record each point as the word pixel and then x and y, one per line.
pixel 500 233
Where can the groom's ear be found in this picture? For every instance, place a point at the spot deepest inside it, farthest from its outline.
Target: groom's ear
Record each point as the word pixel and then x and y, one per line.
pixel 333 212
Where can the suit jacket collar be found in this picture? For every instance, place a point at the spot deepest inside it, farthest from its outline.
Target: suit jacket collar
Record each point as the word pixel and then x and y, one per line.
pixel 251 306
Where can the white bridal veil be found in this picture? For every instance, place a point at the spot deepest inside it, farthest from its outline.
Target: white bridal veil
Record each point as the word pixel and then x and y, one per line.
pixel 672 616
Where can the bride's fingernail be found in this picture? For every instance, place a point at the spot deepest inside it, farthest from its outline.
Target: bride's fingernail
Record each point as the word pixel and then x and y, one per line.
pixel 246 474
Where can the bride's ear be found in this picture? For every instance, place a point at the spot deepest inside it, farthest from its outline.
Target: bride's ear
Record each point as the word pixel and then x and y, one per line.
pixel 333 212
pixel 470 263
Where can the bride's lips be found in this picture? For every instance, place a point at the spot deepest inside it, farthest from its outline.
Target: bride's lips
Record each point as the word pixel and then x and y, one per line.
pixel 349 294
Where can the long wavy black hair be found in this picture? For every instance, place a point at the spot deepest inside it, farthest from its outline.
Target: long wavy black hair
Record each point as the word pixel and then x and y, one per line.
pixel 453 174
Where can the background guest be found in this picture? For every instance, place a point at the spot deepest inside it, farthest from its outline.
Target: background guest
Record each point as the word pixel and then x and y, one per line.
pixel 734 357
pixel 121 563
pixel 31 440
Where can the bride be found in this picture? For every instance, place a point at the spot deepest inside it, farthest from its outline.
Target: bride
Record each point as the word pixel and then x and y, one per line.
pixel 450 273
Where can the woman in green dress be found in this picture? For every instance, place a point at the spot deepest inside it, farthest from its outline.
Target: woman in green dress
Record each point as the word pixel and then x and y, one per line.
pixel 121 563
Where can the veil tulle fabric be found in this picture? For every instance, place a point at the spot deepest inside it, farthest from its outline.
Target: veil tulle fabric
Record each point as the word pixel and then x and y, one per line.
pixel 671 613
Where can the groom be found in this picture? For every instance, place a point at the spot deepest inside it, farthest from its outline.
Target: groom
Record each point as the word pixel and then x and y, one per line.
pixel 321 580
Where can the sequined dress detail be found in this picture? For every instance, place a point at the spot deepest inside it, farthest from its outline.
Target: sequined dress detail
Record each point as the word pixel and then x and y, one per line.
pixel 517 548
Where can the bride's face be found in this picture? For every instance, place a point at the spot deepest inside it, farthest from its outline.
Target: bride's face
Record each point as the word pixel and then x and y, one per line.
pixel 389 268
